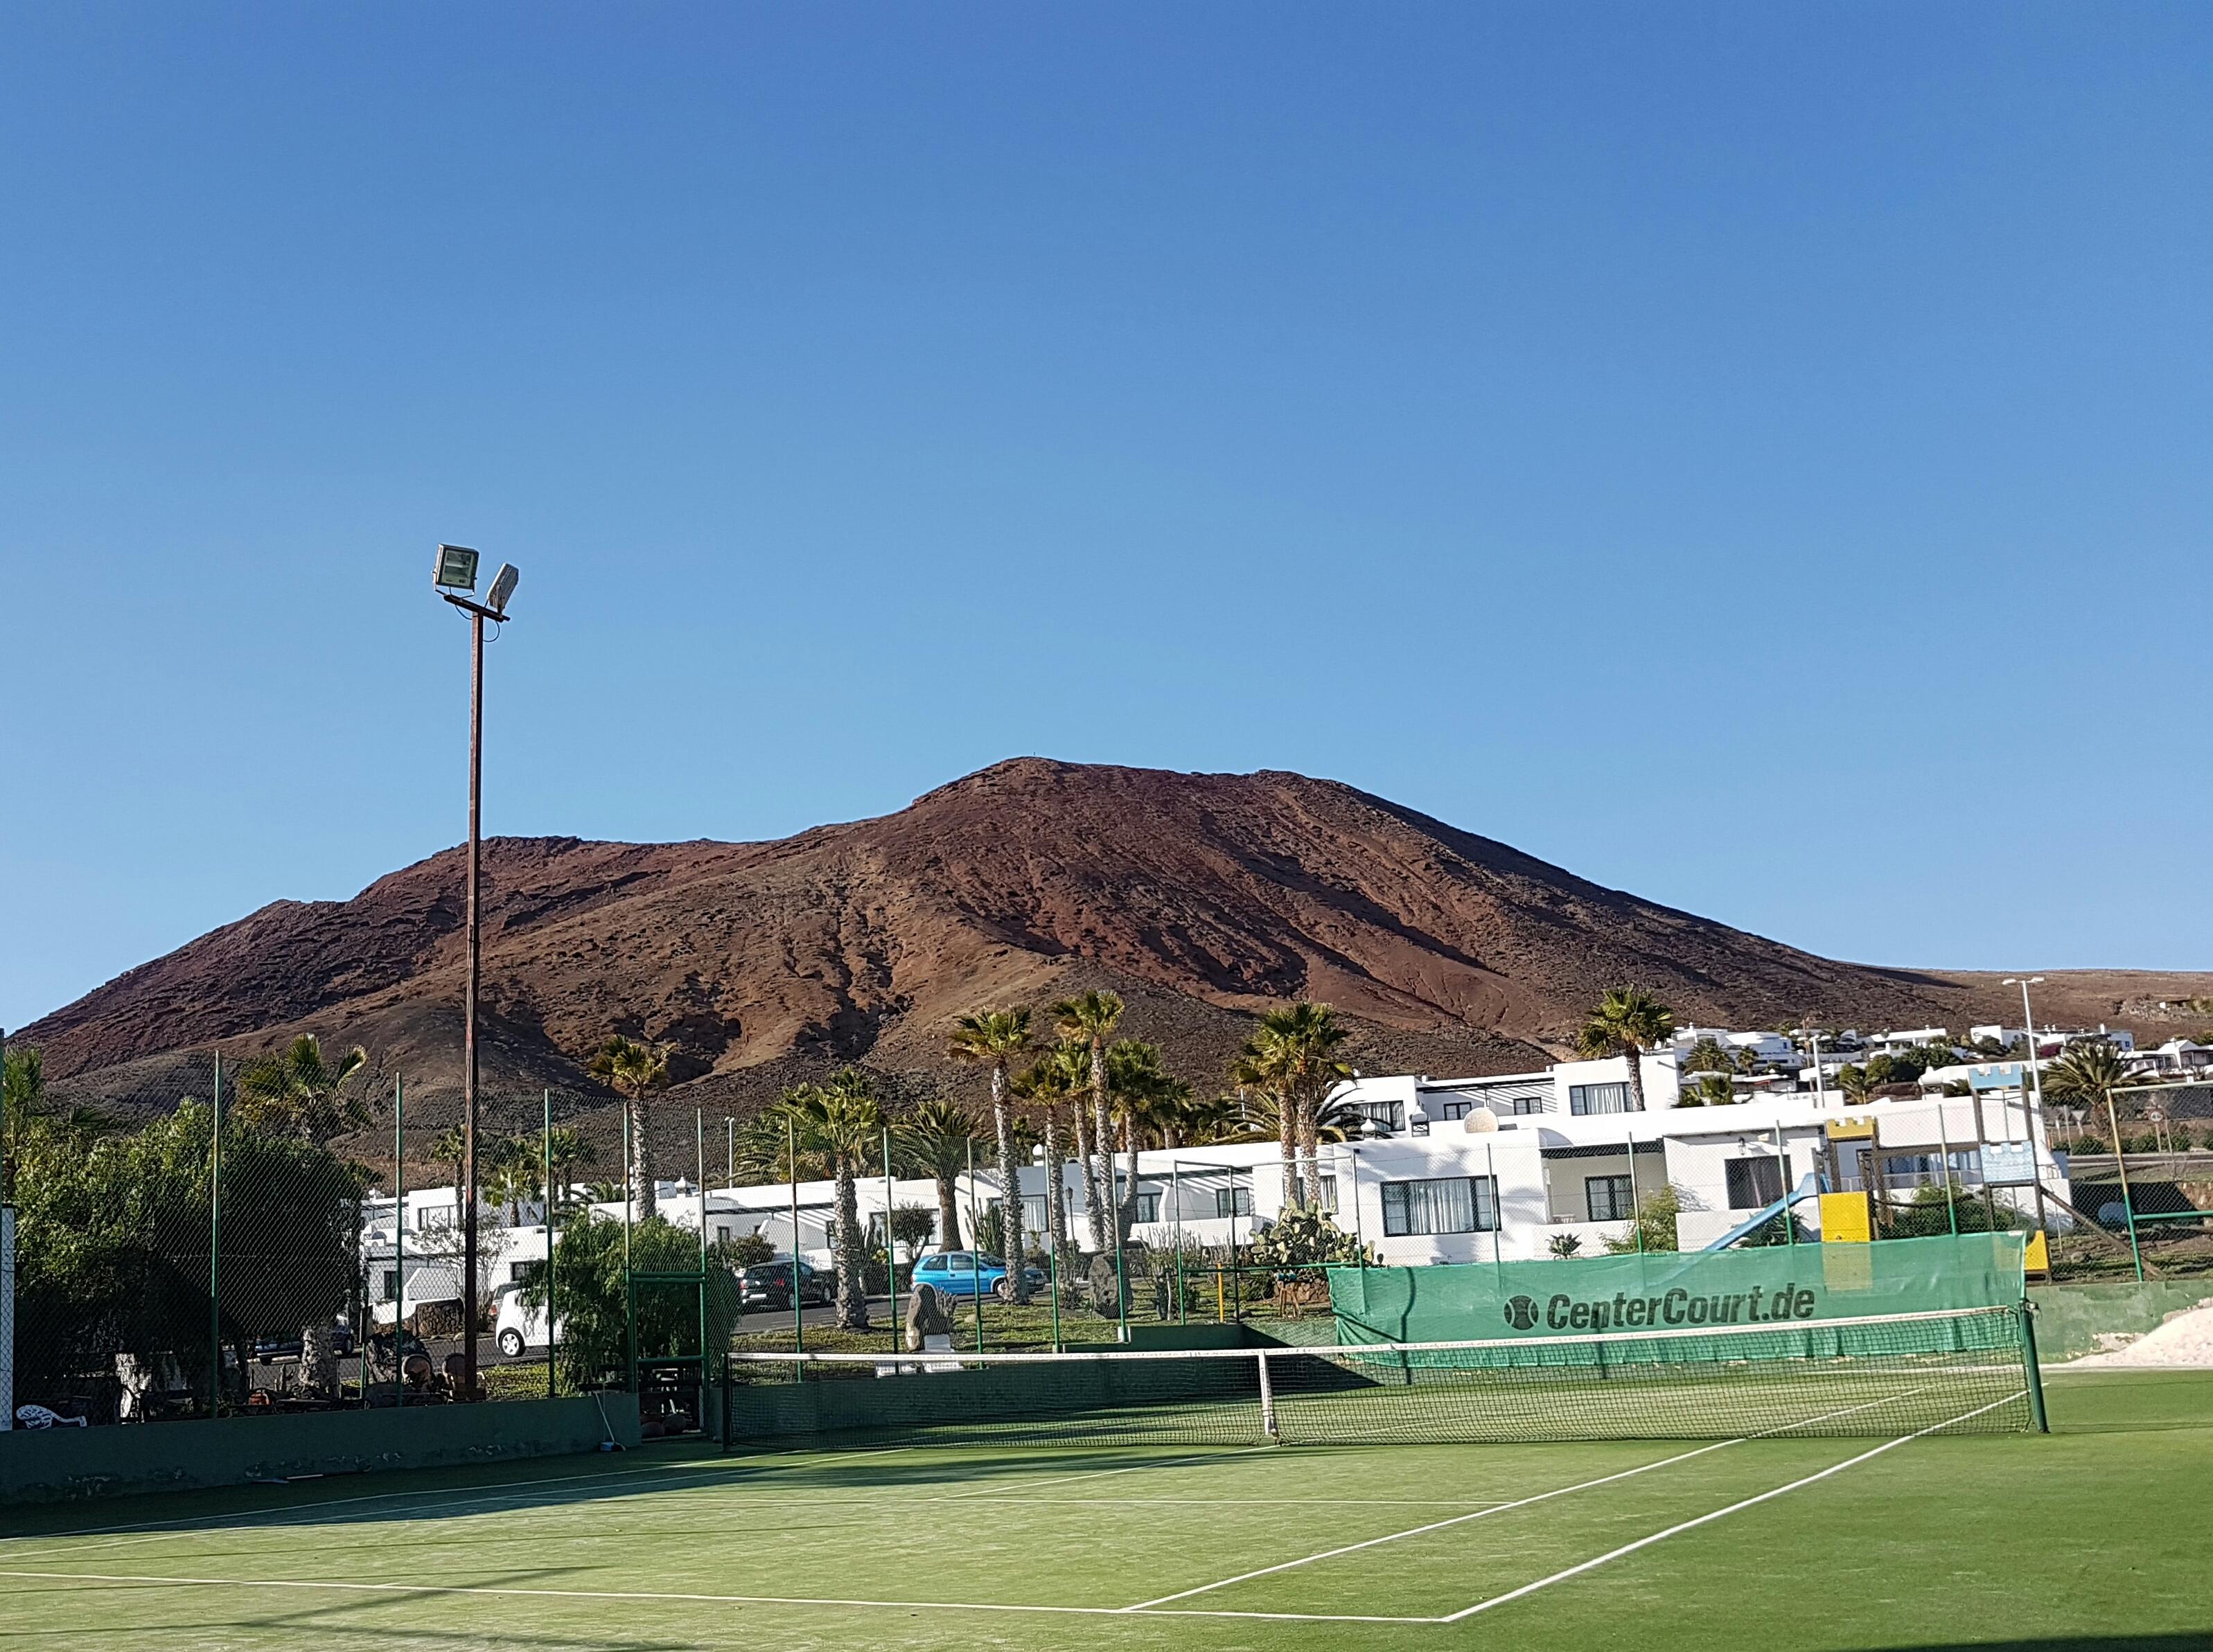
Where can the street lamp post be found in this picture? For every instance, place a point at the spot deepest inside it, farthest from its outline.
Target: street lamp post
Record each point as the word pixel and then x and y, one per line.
pixel 454 573
pixel 2028 1024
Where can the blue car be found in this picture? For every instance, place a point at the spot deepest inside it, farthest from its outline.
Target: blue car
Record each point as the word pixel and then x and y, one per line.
pixel 964 1272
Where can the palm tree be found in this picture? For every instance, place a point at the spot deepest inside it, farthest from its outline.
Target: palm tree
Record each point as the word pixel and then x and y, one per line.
pixel 938 1137
pixel 296 1093
pixel 1090 1019
pixel 515 1174
pixel 1627 1022
pixel 1141 1092
pixel 1292 1059
pixel 1855 1082
pixel 994 1038
pixel 2088 1073
pixel 566 1150
pixel 447 1149
pixel 839 1123
pixel 1056 1078
pixel 630 1070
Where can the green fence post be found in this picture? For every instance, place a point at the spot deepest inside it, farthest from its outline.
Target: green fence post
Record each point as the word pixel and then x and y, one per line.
pixel 1175 1204
pixel 1052 1286
pixel 1121 1282
pixel 629 1295
pixel 553 1335
pixel 215 1243
pixel 798 1308
pixel 1944 1146
pixel 2031 1368
pixel 891 1247
pixel 2128 1200
pixel 976 1234
pixel 1498 1217
pixel 1789 1205
pixel 699 1171
pixel 1636 1213
pixel 399 1238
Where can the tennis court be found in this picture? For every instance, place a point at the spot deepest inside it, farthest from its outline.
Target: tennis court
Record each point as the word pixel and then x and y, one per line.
pixel 1928 1539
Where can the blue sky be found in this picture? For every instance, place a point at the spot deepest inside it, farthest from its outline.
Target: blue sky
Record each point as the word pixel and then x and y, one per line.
pixel 1754 456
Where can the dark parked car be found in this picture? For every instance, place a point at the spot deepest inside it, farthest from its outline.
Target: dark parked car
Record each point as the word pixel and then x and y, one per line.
pixel 768 1285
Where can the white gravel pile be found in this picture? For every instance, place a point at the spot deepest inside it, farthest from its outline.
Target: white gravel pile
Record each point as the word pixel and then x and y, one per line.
pixel 2185 1340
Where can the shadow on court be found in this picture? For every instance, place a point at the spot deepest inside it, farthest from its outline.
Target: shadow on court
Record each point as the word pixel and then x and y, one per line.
pixel 563 1483
pixel 2185 1642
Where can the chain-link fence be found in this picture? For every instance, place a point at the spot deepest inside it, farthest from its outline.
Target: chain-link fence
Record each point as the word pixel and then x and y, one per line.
pixel 209 1237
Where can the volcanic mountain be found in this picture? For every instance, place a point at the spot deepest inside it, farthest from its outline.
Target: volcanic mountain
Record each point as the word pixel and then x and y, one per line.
pixel 1202 898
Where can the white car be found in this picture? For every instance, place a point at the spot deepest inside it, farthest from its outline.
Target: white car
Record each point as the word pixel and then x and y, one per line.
pixel 518 1328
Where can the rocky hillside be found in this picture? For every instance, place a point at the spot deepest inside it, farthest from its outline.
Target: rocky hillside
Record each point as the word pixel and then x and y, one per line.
pixel 1201 897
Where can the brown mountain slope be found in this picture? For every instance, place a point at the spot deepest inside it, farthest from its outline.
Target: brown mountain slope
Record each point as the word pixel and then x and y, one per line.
pixel 1201 897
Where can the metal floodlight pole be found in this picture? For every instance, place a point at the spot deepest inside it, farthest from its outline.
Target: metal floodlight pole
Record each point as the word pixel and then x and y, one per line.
pixel 455 570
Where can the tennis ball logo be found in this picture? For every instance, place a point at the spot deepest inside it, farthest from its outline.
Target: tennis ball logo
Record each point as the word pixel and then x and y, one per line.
pixel 1521 1314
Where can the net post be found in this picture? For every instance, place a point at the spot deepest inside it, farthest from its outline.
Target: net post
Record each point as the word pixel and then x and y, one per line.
pixel 1267 1400
pixel 2034 1371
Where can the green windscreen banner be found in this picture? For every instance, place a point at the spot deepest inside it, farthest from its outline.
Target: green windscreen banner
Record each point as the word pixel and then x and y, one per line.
pixel 1769 1287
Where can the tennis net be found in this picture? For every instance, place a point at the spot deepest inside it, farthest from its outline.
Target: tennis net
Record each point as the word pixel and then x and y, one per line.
pixel 1970 1370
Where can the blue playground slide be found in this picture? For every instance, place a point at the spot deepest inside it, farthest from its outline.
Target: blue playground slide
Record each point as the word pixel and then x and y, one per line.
pixel 1810 1187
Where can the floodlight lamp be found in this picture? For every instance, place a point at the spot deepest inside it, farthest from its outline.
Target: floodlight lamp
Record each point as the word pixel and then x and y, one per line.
pixel 455 568
pixel 502 587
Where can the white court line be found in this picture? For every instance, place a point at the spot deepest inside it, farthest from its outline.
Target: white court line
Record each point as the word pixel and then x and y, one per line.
pixel 1703 1519
pixel 1503 1508
pixel 527 1496
pixel 1097 1473
pixel 256 1520
pixel 689 1600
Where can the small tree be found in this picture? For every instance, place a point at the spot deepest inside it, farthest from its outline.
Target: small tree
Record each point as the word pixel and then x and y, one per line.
pixel 298 1093
pixel 993 1039
pixel 634 1071
pixel 1626 1022
pixel 1653 1225
pixel 593 1296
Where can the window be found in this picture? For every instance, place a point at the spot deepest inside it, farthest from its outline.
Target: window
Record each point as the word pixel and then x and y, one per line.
pixel 1149 1207
pixel 1610 1199
pixel 1329 1194
pixel 391 1284
pixel 515 1271
pixel 1440 1205
pixel 1520 1105
pixel 1754 1183
pixel 1599 1098
pixel 1383 1116
pixel 1232 1201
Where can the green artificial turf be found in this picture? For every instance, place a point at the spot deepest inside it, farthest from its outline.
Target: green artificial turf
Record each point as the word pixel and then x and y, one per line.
pixel 2090 1537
